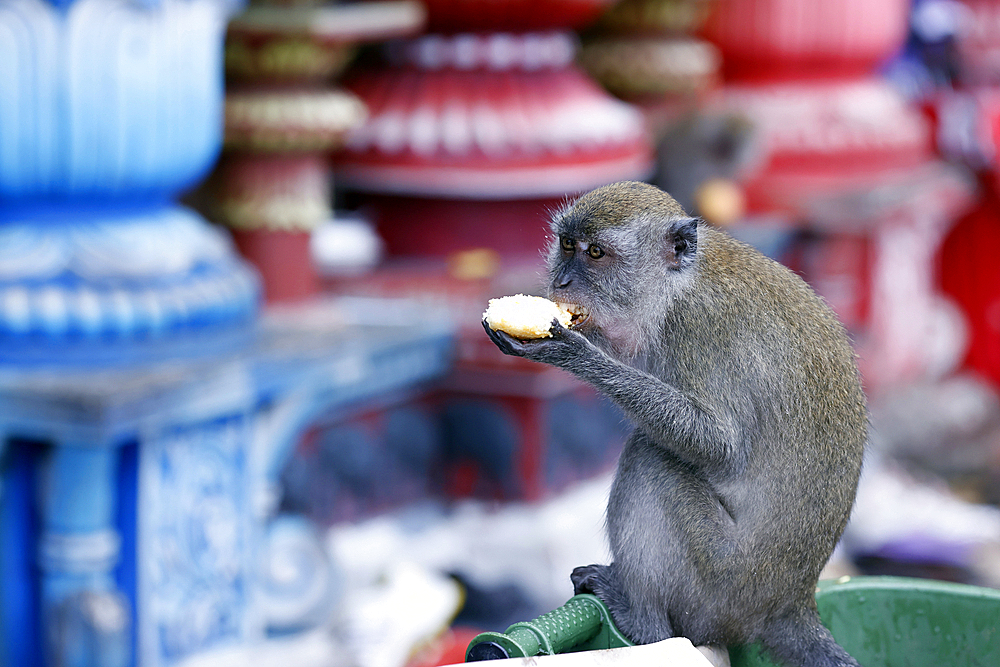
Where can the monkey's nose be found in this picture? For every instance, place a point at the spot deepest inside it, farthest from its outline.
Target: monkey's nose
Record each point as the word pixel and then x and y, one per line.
pixel 562 280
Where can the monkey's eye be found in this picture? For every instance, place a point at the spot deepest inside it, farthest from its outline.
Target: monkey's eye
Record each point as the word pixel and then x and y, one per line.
pixel 595 251
pixel 568 244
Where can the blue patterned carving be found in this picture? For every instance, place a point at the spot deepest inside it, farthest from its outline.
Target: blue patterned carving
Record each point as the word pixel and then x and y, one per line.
pixel 193 497
pixel 109 98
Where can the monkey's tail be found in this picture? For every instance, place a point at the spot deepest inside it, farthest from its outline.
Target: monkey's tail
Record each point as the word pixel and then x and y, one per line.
pixel 801 640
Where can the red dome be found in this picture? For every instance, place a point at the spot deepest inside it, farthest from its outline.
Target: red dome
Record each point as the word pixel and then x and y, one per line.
pixel 769 39
pixel 490 117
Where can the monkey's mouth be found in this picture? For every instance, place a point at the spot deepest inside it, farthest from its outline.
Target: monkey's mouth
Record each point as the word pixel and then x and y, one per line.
pixel 578 314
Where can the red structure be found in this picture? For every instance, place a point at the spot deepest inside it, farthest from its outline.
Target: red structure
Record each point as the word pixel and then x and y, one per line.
pixel 847 164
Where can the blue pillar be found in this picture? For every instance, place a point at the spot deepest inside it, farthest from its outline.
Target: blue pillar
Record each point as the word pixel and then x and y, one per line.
pixel 109 111
pixel 86 619
pixel 78 546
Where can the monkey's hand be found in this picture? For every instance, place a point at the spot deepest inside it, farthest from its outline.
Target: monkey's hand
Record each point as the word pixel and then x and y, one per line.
pixel 563 348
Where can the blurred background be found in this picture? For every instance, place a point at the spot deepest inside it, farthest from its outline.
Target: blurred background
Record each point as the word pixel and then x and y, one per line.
pixel 247 412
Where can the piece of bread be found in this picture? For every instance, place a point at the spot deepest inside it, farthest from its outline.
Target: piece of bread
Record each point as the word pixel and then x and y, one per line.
pixel 525 316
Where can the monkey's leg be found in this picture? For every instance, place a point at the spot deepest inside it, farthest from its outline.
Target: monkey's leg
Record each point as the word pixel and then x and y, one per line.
pixel 674 549
pixel 801 640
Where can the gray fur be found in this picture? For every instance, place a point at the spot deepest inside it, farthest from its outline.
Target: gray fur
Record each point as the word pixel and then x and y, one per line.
pixel 750 424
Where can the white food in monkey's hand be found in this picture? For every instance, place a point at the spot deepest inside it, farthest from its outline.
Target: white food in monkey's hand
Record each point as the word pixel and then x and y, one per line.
pixel 525 316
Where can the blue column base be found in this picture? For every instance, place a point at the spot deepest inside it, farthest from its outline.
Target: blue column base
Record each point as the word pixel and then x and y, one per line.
pixel 81 286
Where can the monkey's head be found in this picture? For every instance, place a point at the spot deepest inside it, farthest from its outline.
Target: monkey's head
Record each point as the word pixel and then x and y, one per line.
pixel 621 253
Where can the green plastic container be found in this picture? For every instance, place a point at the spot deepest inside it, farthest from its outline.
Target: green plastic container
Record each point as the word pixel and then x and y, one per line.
pixel 903 622
pixel 881 621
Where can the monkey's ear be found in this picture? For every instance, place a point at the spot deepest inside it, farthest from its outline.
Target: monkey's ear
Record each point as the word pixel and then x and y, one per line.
pixel 681 243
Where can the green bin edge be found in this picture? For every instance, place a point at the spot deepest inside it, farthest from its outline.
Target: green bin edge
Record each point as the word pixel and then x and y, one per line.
pixel 904 622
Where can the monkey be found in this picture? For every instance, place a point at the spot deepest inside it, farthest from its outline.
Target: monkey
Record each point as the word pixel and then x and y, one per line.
pixel 749 423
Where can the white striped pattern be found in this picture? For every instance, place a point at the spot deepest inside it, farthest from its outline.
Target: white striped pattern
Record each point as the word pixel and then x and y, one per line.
pixel 495 114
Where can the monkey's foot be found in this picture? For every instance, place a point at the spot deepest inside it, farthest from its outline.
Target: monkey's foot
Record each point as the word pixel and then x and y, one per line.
pixel 589 579
pixel 602 581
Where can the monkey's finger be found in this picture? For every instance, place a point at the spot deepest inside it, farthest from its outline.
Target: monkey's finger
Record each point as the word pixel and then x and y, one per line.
pixel 507 343
pixel 564 334
pixel 557 330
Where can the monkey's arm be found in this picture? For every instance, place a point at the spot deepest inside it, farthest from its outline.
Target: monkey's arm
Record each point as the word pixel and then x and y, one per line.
pixel 695 432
